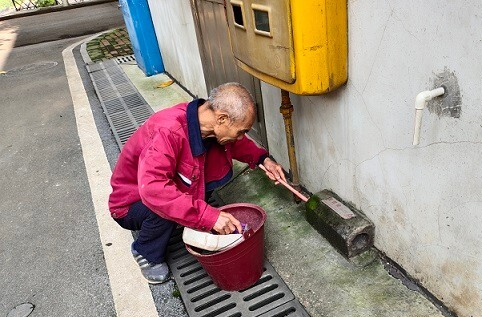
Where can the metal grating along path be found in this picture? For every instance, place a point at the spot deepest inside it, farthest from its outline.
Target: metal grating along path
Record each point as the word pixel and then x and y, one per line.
pixel 125 59
pixel 269 297
pixel 123 106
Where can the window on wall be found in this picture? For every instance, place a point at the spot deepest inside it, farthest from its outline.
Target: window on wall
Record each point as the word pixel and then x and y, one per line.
pixel 238 13
pixel 261 17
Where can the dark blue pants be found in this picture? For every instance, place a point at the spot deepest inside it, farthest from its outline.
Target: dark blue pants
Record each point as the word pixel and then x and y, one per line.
pixel 154 231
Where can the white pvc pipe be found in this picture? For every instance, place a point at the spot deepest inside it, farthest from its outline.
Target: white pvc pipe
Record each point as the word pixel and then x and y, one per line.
pixel 420 103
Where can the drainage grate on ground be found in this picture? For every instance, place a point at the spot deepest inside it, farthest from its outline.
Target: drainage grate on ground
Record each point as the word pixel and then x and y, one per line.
pixel 269 297
pixel 123 106
pixel 125 59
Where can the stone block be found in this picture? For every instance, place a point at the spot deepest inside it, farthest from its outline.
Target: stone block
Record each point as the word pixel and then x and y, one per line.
pixel 346 228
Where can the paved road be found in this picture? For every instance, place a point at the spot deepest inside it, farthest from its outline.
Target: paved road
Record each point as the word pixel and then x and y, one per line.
pixel 59 25
pixel 50 252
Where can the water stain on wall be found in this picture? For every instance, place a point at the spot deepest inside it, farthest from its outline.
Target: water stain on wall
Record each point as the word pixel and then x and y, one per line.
pixel 399 214
pixel 450 104
pixel 464 293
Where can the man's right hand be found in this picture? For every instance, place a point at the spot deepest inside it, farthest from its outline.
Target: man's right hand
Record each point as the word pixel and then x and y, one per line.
pixel 226 224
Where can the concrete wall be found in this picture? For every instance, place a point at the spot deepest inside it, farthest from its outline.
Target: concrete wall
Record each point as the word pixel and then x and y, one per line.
pixel 174 26
pixel 426 200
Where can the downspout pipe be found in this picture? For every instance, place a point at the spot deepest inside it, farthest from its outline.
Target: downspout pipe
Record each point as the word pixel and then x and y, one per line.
pixel 420 103
pixel 286 110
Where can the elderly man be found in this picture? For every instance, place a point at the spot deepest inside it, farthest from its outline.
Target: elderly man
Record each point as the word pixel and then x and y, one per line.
pixel 173 162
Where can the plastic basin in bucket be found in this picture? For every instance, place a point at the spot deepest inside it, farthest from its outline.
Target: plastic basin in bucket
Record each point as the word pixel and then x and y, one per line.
pixel 241 266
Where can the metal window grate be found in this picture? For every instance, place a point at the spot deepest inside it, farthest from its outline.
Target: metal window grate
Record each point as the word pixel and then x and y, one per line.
pixel 269 297
pixel 123 106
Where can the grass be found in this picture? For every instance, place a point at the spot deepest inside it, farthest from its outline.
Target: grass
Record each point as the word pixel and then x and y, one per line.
pixel 5 4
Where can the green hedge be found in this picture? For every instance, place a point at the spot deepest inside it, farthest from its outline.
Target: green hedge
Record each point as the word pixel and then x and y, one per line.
pixel 45 3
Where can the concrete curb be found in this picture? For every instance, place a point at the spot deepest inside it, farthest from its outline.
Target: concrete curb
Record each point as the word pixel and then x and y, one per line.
pixel 131 293
pixel 85 55
pixel 25 13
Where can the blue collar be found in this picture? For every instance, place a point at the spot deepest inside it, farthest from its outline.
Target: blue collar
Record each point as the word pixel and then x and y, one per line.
pixel 194 129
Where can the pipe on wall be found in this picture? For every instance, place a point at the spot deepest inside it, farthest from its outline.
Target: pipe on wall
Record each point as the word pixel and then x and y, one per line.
pixel 286 110
pixel 420 103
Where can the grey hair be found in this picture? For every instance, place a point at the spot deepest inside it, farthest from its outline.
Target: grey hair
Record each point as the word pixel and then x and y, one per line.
pixel 232 98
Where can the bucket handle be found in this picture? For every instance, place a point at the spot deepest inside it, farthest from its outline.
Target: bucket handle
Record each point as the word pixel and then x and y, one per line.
pixel 194 252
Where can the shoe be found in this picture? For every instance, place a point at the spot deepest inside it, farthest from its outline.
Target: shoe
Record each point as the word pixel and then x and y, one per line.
pixel 154 273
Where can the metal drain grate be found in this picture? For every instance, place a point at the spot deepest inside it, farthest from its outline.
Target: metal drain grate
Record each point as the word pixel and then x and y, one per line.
pixel 125 59
pixel 269 297
pixel 123 106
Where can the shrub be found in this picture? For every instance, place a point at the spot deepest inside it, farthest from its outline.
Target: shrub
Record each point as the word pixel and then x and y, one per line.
pixel 45 3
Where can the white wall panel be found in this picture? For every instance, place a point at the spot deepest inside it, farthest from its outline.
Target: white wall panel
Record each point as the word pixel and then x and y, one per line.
pixel 176 35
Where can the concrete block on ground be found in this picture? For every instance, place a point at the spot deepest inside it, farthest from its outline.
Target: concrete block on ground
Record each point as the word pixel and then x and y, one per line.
pixel 347 229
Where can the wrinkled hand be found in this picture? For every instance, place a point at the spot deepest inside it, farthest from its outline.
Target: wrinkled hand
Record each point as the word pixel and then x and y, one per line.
pixel 274 170
pixel 226 224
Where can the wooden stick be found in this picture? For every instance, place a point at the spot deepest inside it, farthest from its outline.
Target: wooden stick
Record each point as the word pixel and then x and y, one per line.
pixel 285 184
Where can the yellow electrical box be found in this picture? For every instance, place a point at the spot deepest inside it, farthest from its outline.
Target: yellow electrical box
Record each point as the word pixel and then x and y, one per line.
pixel 297 45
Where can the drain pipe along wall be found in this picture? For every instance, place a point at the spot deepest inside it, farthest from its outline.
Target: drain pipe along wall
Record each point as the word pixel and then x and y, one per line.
pixel 424 200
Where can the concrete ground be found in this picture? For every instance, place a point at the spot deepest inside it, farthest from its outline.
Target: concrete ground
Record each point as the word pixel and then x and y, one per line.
pixel 325 282
pixel 50 251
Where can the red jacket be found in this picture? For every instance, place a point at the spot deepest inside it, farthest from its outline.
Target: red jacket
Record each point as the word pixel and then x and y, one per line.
pixel 165 165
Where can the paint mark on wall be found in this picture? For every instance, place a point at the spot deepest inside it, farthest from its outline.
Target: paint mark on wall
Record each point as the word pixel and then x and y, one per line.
pixel 450 105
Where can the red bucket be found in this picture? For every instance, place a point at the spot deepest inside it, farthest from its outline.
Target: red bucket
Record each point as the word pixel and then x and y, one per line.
pixel 241 266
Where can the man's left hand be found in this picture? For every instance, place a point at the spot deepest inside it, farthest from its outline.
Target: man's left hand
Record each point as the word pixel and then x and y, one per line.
pixel 274 170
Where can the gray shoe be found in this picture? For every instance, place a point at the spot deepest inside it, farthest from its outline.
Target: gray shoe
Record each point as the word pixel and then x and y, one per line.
pixel 154 273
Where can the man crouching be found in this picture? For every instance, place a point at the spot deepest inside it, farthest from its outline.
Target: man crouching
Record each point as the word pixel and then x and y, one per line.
pixel 171 165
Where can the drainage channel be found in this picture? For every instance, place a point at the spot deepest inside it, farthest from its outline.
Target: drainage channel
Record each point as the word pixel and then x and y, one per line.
pixel 123 106
pixel 126 110
pixel 269 297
